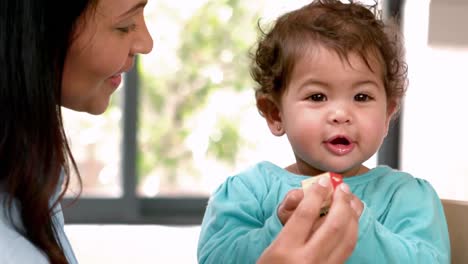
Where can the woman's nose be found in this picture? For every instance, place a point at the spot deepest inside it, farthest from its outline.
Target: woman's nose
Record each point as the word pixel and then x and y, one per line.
pixel 143 42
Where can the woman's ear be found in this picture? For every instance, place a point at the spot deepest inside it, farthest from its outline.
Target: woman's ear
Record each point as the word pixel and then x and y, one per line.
pixel 270 110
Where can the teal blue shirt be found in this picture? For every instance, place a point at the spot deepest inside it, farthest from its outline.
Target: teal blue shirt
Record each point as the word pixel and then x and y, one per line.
pixel 403 220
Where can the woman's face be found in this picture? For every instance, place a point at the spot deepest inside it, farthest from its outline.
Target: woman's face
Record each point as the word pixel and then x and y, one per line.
pixel 105 44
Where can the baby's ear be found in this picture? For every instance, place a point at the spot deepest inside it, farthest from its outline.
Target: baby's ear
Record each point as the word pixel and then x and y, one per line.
pixel 271 111
pixel 393 108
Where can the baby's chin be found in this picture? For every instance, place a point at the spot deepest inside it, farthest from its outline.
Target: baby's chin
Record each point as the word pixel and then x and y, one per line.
pixel 353 171
pixel 346 171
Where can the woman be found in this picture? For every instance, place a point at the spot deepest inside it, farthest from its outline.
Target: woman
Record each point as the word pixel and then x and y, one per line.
pixel 53 53
pixel 74 57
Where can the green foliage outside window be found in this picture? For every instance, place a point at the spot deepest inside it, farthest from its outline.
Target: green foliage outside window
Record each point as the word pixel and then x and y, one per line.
pixel 212 56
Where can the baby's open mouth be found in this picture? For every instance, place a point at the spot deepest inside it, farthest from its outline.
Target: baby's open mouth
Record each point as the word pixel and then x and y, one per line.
pixel 340 141
pixel 340 145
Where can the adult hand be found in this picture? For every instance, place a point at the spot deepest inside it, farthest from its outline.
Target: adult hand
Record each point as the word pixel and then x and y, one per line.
pixel 295 196
pixel 289 204
pixel 304 240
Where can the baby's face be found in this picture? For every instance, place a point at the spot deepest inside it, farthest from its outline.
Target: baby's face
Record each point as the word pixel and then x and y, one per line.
pixel 334 112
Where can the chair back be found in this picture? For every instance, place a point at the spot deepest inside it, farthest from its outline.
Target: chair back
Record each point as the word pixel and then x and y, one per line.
pixel 456 213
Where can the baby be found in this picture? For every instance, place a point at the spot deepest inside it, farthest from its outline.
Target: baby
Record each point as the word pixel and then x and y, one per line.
pixel 331 78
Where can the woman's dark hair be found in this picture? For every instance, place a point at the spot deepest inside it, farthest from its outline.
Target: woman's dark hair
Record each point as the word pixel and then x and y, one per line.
pixel 343 28
pixel 34 39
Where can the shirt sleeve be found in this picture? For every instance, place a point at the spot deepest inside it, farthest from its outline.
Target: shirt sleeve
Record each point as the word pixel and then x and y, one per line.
pixel 23 252
pixel 234 229
pixel 413 229
pixel 59 225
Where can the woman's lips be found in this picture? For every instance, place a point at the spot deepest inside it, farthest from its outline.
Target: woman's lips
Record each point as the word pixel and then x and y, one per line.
pixel 115 80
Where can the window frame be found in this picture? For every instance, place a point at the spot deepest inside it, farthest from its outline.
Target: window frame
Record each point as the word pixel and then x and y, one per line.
pixel 131 209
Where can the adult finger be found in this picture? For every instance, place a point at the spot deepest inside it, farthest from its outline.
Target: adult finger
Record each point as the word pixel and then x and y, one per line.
pixel 357 205
pixel 340 219
pixel 300 225
pixel 345 247
pixel 289 204
pixel 345 242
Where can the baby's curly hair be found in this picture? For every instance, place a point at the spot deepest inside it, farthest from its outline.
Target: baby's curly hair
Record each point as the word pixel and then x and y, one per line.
pixel 343 28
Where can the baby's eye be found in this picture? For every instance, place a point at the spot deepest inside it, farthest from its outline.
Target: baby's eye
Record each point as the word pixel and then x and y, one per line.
pixel 362 97
pixel 319 97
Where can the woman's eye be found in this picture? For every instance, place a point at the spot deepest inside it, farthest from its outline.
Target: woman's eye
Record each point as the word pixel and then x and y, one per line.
pixel 362 97
pixel 318 97
pixel 127 29
pixel 124 29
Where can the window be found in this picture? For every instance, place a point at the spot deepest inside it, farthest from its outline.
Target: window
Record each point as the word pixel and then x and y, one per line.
pixel 434 127
pixel 184 120
pixel 95 143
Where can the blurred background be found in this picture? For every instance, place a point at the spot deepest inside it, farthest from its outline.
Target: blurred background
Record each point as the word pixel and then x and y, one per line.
pixel 185 119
